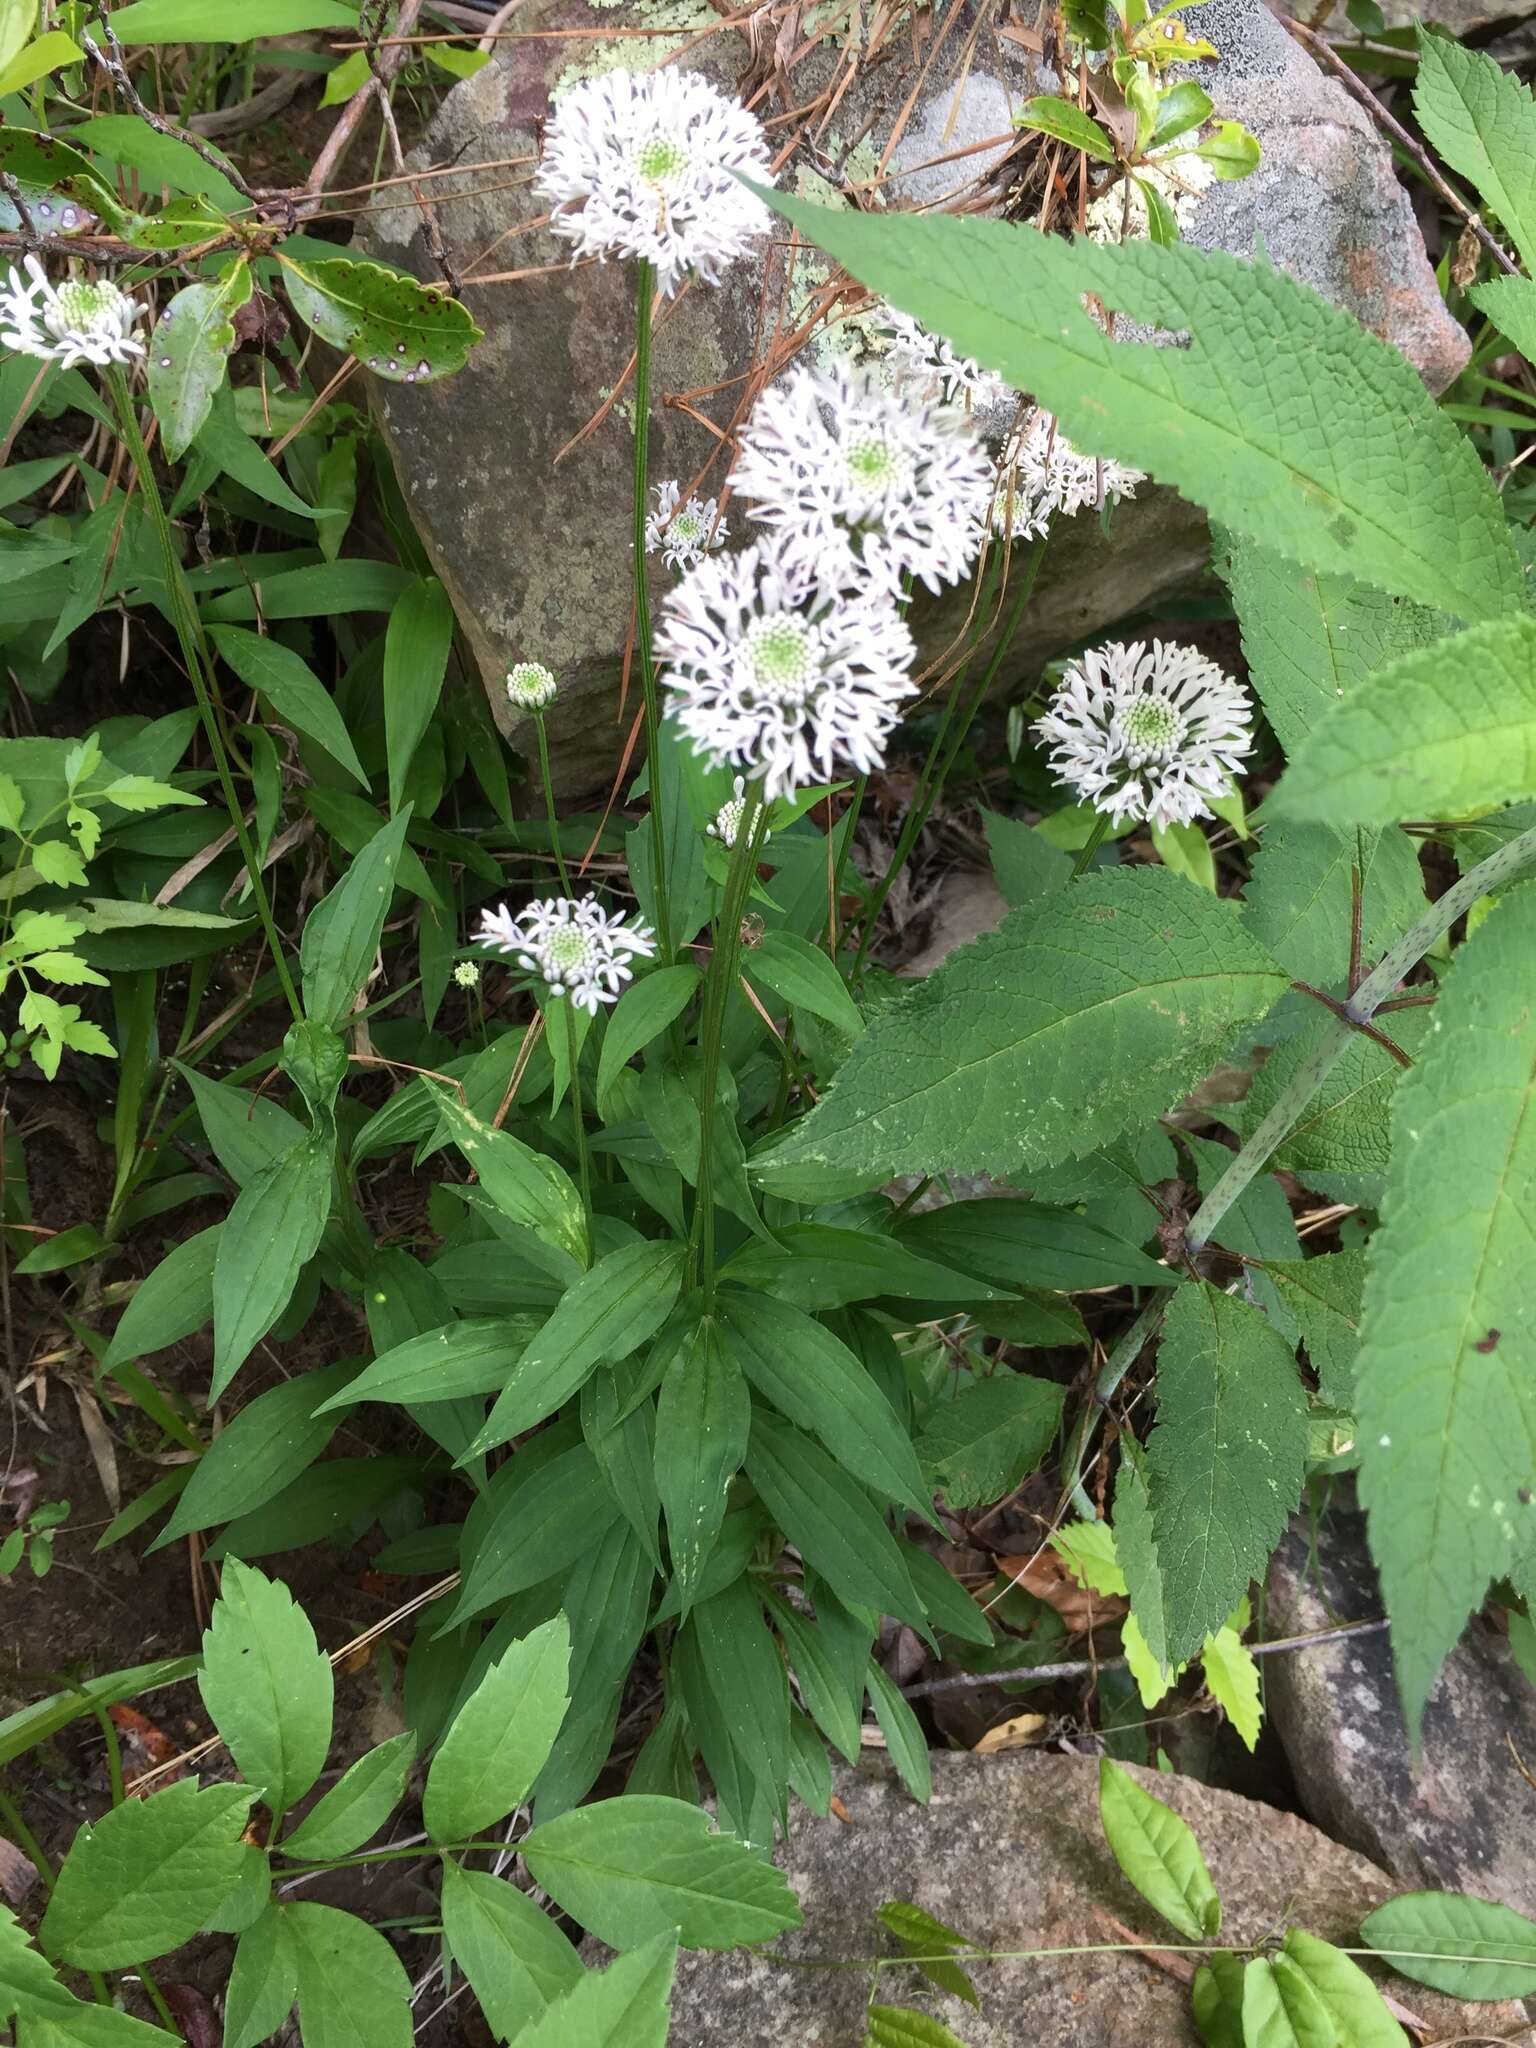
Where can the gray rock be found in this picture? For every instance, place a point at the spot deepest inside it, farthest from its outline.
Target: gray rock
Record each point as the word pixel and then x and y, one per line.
pixel 1462 1819
pixel 1011 1853
pixel 528 525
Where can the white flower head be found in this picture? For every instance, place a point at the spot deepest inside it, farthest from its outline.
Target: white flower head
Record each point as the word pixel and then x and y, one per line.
pixel 573 945
pixel 727 826
pixel 467 974
pixel 935 368
pixel 1042 473
pixel 780 674
pixel 852 478
pixel 641 166
pixel 1120 214
pixel 1149 732
pixel 684 533
pixel 73 322
pixel 531 686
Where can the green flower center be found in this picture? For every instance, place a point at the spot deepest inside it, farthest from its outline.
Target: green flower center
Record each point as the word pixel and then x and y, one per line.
pixel 686 528
pixel 873 464
pixel 779 651
pixel 1153 728
pixel 83 305
pixel 567 952
pixel 661 160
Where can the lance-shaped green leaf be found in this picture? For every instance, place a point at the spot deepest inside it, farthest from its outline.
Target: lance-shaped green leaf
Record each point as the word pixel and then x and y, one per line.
pixel 1310 638
pixel 147 1876
pixel 46 164
pixel 172 1301
pixel 1046 1039
pixel 189 353
pixel 1444 731
pixel 1482 120
pixel 1225 1460
pixel 358 1804
pixel 628 2005
pixel 1066 122
pixel 416 644
pixel 1466 1947
pixel 703 1414
pixel 403 330
pixel 267 1685
pixel 353 1990
pixel 341 937
pixel 1337 456
pixel 501 1736
pixel 1446 1373
pixel 813 1378
pixel 292 689
pixel 263 1982
pixel 269 1236
pixel 515 1957
pixel 606 1315
pixel 527 1187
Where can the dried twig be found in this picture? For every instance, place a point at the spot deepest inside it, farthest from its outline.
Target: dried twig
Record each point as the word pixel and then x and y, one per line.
pixel 113 63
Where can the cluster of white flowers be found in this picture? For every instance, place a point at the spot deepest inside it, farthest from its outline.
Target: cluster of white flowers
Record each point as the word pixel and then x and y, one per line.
pixel 531 686
pixel 1120 214
pixel 929 362
pixel 73 322
pixel 855 480
pixel 728 819
pixel 1041 474
pixel 1148 732
pixel 642 167
pixel 684 533
pixel 781 674
pixel 576 948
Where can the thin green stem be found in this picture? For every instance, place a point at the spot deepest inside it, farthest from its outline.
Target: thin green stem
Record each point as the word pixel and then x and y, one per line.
pixel 717 990
pixel 194 648
pixel 959 715
pixel 25 1840
pixel 850 825
pixel 1090 845
pixel 578 1111
pixel 152 1990
pixel 645 289
pixel 549 803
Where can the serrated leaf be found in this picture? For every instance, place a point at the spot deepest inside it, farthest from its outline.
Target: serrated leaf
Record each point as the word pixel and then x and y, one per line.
pixel 353 1990
pixel 267 1686
pixel 1046 1039
pixel 145 1877
pixel 1025 865
pixel 1510 303
pixel 628 2005
pixel 1158 1852
pixel 1356 2007
pixel 703 1416
pixel 188 354
pixel 608 1314
pixel 1466 1947
pixel 1088 1550
pixel 1311 639
pixel 1443 731
pixel 1225 1460
pixel 1446 1373
pixel 516 1959
pixel 53 2016
pixel 633 1868
pixel 293 690
pixel 401 329
pixel 982 1442
pixel 1324 1295
pixel 1299 898
pixel 499 1739
pixel 358 1804
pixel 1482 120
pixel 267 1239
pixel 1379 484
pixel 1232 1680
pixel 263 1982
pixel 1342 1140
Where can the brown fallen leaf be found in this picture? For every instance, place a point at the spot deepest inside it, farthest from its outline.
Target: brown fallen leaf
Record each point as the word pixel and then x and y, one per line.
pixel 1022 1732
pixel 18 1873
pixel 1047 1577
